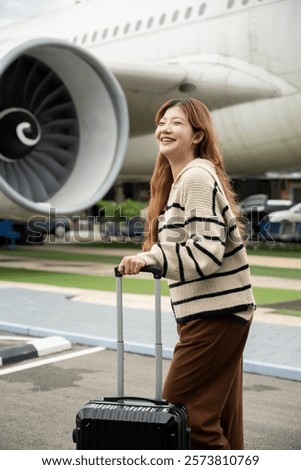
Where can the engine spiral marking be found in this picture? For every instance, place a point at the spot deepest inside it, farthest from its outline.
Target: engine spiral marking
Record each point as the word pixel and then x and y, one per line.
pixel 22 137
pixel 21 132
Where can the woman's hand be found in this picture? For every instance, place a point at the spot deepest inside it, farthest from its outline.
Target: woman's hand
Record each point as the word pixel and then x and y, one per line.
pixel 131 264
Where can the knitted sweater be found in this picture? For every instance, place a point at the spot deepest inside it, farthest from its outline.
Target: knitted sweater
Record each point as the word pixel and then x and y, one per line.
pixel 200 250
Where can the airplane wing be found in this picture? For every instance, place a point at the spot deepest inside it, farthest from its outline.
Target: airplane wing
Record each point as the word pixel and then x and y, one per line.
pixel 217 82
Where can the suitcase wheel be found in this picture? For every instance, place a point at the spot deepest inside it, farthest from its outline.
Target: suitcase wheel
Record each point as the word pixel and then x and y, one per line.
pixel 75 435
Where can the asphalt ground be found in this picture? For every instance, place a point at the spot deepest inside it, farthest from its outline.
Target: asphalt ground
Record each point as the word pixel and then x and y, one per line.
pixel 40 399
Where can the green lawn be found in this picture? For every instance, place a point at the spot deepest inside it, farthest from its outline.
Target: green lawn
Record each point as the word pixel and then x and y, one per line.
pixel 287 273
pixel 62 255
pixel 263 296
pixel 289 250
pixel 268 295
pixel 67 255
pixel 105 283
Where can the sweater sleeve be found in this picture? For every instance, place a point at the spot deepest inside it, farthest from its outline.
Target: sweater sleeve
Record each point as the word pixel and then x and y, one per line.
pixel 193 246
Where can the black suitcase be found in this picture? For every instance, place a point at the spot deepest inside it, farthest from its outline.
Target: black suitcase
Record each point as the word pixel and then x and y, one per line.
pixel 126 423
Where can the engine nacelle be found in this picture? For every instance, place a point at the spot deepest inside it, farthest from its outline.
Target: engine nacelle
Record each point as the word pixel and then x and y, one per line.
pixel 63 129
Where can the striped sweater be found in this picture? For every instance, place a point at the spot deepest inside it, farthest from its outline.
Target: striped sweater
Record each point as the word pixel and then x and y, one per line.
pixel 200 250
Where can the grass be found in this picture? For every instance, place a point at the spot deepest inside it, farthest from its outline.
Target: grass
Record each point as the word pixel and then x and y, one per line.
pixel 287 273
pixel 105 283
pixel 269 295
pixel 289 250
pixel 64 256
pixel 292 273
pixel 263 296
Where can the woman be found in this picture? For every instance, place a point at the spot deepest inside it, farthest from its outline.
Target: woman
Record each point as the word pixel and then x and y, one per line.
pixel 194 235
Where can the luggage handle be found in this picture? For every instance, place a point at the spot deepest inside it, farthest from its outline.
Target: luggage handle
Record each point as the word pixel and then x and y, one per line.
pixel 156 272
pixel 151 268
pixel 134 400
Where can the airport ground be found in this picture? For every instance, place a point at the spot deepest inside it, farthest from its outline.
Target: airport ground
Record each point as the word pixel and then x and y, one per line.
pixel 41 396
pixel 40 400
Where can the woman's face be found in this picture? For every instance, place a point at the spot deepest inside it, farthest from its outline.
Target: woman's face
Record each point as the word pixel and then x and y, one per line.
pixel 174 134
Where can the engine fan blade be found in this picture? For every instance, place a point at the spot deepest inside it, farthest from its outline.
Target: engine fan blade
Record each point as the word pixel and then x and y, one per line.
pixel 39 193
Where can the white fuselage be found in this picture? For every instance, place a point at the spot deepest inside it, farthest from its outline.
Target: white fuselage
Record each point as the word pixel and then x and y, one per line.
pixel 241 58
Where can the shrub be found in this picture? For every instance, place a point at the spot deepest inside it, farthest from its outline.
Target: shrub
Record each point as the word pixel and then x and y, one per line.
pixel 128 208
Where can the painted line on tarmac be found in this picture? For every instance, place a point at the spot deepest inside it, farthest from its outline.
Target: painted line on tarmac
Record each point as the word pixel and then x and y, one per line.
pixel 51 360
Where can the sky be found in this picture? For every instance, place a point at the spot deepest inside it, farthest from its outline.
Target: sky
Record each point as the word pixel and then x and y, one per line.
pixel 16 10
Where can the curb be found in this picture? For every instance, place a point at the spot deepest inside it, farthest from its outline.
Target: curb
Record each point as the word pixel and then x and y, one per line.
pixel 249 366
pixel 34 348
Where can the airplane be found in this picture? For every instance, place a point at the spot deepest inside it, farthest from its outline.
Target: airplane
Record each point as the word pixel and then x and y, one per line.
pixel 79 88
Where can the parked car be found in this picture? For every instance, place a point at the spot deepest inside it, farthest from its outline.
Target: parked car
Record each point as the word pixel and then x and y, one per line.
pixel 284 225
pixel 256 208
pixel 293 214
pixel 262 204
pixel 255 200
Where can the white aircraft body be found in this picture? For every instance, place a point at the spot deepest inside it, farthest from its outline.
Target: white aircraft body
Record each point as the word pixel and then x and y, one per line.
pixel 79 88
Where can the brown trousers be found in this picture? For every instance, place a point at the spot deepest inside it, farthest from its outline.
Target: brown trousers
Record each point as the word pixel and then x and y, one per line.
pixel 206 376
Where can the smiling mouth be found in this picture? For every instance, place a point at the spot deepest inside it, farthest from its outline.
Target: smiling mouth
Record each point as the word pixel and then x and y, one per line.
pixel 167 139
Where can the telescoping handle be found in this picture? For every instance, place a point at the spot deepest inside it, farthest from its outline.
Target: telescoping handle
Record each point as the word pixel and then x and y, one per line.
pixel 156 272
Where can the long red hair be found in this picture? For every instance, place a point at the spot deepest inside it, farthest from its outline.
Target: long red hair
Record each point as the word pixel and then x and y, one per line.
pixel 200 119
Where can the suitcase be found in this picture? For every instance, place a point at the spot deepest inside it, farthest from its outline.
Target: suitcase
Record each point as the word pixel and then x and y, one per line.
pixel 125 423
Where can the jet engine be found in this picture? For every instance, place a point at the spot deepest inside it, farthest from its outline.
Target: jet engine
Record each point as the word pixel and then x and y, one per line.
pixel 63 129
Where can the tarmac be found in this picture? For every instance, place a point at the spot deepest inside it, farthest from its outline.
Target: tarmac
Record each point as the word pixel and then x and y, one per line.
pixel 88 317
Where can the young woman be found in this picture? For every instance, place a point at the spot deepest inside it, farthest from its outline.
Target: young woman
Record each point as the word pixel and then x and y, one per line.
pixel 195 236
